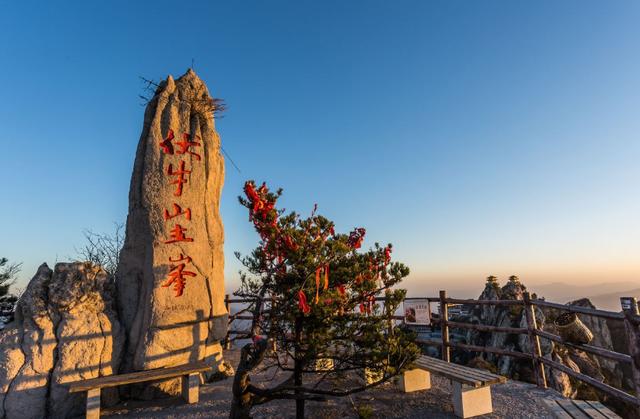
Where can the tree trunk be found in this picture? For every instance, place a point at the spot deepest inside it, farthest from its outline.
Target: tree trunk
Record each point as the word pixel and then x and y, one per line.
pixel 297 369
pixel 251 355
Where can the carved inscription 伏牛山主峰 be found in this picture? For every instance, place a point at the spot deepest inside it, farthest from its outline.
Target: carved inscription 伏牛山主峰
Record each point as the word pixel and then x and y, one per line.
pixel 177 232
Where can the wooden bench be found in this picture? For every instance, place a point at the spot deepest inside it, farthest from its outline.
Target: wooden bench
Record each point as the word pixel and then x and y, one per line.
pixel 471 386
pixel 190 383
pixel 579 409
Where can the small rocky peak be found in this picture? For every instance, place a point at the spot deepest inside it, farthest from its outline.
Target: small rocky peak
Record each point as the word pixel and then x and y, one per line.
pixel 513 289
pixel 491 290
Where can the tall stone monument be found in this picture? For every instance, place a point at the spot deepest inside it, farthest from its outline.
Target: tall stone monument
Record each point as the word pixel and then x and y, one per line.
pixel 170 277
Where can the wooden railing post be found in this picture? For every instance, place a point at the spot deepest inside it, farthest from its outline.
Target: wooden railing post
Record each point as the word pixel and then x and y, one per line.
pixel 444 326
pixel 227 341
pixel 534 341
pixel 632 329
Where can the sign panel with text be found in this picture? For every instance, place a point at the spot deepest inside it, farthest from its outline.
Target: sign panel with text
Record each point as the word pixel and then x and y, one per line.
pixel 417 312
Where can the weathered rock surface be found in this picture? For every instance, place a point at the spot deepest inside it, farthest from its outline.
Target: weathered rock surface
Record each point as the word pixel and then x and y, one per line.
pixel 174 229
pixel 66 329
pixel 596 367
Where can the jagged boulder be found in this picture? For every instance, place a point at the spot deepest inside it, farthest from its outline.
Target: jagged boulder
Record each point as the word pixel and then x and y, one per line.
pixel 170 274
pixel 599 368
pixel 66 329
pixel 491 291
pixel 558 379
pixel 601 338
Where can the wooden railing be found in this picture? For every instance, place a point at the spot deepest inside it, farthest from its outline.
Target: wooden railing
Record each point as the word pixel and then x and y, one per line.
pixel 533 330
pixel 535 333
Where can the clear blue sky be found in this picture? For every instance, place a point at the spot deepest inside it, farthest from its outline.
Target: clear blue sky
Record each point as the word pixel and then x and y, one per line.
pixel 477 136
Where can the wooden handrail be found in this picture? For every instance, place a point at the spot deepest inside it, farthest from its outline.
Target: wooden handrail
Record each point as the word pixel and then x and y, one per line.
pixel 612 391
pixel 240 300
pixel 580 309
pixel 485 302
pixel 487 328
pixel 605 353
pixel 490 349
pixel 473 348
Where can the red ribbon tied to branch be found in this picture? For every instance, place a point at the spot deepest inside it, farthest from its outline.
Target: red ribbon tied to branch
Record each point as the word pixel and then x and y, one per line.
pixel 387 255
pixel 302 302
pixel 319 272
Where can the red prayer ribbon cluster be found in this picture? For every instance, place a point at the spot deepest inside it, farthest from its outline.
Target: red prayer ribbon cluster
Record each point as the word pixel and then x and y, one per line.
pixel 278 245
pixel 356 237
pixel 302 302
pixel 319 272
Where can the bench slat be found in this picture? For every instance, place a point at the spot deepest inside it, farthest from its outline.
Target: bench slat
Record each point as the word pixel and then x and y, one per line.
pixel 451 373
pixel 436 361
pixel 604 410
pixel 572 409
pixel 137 377
pixel 558 411
pixel 460 373
pixel 481 374
pixel 458 376
pixel 589 410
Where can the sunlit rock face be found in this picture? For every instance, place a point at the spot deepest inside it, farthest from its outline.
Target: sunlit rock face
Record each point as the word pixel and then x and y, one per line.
pixel 66 329
pixel 170 276
pixel 596 367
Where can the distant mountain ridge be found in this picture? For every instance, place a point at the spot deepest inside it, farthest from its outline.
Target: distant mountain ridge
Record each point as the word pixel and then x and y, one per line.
pixel 611 301
pixel 604 296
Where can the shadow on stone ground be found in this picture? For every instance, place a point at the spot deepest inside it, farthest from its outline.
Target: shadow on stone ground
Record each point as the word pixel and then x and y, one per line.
pixel 510 400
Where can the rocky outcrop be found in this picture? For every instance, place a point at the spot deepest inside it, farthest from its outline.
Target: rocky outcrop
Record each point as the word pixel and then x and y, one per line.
pixel 170 287
pixel 611 369
pixel 66 329
pixel 596 367
pixel 170 276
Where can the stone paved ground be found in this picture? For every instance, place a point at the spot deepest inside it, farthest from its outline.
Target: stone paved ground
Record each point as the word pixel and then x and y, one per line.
pixel 511 400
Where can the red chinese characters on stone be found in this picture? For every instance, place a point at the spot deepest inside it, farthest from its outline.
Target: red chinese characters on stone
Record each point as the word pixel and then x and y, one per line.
pixel 177 210
pixel 178 273
pixel 178 235
pixel 186 143
pixel 166 145
pixel 180 179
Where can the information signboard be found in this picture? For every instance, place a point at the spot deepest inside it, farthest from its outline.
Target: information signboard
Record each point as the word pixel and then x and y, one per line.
pixel 417 312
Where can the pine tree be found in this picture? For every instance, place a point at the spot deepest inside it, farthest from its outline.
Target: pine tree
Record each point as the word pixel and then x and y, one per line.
pixel 493 282
pixel 7 275
pixel 314 296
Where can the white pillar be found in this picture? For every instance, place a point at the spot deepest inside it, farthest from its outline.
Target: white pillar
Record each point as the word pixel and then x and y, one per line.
pixel 469 401
pixel 415 380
